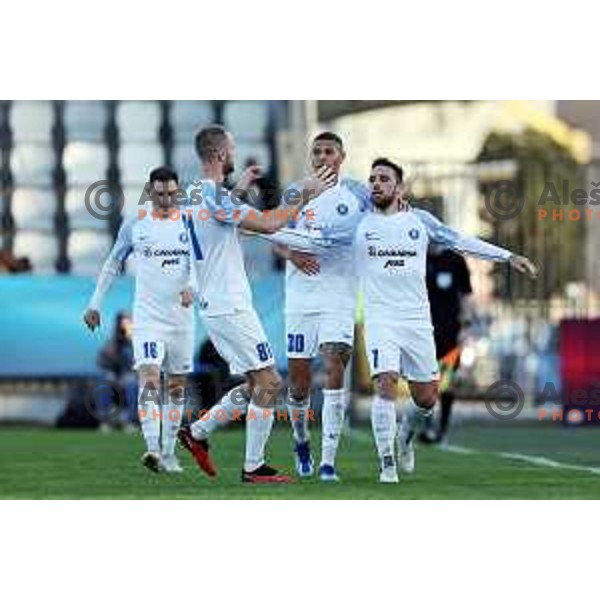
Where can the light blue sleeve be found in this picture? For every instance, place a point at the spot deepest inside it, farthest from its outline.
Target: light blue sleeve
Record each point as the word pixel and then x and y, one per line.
pixel 221 207
pixel 291 193
pixel 313 243
pixel 450 238
pixel 113 265
pixel 122 247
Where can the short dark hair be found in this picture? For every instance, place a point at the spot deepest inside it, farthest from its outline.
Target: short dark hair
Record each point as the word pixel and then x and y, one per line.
pixel 208 140
pixel 163 174
pixel 329 136
pixel 386 162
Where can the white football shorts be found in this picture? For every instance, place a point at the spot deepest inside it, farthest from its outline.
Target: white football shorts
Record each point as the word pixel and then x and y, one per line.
pixel 172 352
pixel 406 348
pixel 240 339
pixel 307 332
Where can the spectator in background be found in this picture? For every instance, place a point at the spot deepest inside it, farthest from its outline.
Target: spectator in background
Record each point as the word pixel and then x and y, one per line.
pixel 116 361
pixel 263 193
pixel 212 375
pixel 449 288
pixel 11 264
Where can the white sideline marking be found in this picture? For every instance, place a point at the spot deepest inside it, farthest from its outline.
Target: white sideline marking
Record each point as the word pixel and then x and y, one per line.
pixel 461 450
pixel 538 461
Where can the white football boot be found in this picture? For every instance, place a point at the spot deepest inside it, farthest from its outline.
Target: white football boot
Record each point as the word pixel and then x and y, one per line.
pixel 170 464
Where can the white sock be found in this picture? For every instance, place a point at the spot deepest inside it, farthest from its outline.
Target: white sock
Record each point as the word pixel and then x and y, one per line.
pixel 334 409
pixel 232 406
pixel 149 412
pixel 171 419
pixel 383 422
pixel 259 422
pixel 298 412
pixel 414 419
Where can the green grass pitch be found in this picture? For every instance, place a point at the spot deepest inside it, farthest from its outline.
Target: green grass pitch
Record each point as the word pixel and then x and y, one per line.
pixel 43 463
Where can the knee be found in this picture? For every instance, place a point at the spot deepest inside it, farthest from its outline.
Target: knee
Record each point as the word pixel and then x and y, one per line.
pixel 177 389
pixel 426 398
pixel 150 379
pixel 334 366
pixel 300 382
pixel 268 385
pixel 334 371
pixel 176 383
pixel 299 390
pixel 274 382
pixel 386 386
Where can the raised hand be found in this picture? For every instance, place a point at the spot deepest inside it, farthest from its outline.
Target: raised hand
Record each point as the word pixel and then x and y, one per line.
pixel 323 179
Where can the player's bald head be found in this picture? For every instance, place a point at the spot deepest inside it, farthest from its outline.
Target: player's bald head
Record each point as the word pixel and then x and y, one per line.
pixel 210 141
pixel 214 144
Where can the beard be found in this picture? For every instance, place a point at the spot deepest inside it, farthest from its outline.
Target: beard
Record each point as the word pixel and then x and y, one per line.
pixel 165 203
pixel 383 202
pixel 228 168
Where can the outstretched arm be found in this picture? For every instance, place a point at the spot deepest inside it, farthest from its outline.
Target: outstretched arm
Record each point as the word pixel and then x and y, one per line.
pixel 307 263
pixel 440 233
pixel 112 267
pixel 269 222
pixel 300 249
pixel 299 241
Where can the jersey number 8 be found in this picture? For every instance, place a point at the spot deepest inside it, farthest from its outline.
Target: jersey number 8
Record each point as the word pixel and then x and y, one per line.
pixel 264 351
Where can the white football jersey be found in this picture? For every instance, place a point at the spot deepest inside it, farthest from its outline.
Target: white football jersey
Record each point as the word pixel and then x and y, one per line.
pixel 217 257
pixel 390 256
pixel 161 262
pixel 333 216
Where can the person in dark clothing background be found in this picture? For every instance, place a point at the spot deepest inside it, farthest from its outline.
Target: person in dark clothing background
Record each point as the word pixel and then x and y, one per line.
pixel 211 374
pixel 115 359
pixel 449 288
pixel 264 192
